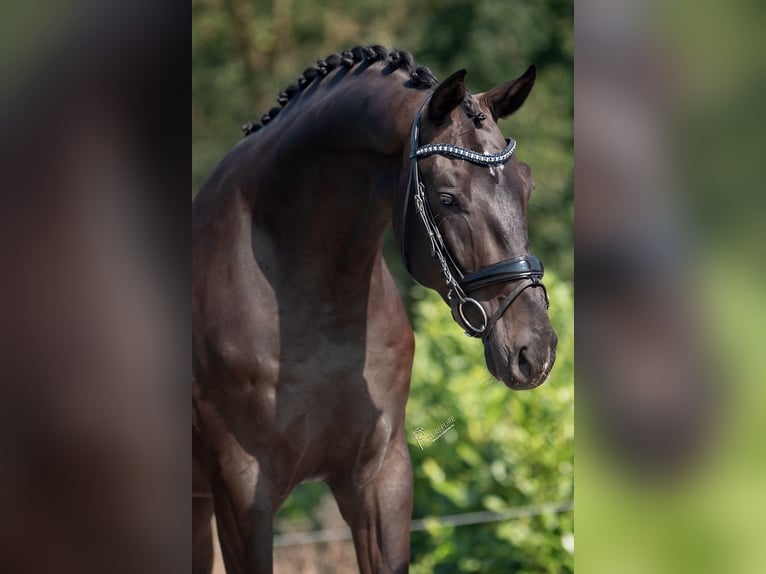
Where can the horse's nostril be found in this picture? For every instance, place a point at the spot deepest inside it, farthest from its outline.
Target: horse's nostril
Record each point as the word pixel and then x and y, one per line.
pixel 524 366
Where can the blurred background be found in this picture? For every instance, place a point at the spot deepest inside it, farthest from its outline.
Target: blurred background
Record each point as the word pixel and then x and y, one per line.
pixel 670 284
pixel 94 316
pixel 496 489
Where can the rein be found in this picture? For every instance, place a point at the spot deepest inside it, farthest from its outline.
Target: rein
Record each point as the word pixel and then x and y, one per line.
pixel 527 269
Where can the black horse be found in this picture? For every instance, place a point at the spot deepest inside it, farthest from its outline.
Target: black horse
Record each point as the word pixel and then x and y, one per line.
pixel 302 349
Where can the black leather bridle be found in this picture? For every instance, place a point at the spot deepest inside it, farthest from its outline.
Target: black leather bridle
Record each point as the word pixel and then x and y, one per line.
pixel 527 269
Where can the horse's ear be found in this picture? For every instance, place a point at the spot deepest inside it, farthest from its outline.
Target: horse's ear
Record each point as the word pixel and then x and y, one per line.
pixel 506 98
pixel 449 95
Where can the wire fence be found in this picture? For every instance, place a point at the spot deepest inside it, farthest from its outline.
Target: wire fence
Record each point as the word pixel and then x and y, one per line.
pixel 419 524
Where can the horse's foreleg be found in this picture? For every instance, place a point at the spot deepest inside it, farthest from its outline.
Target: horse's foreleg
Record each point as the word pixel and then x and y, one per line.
pixel 202 535
pixel 379 513
pixel 202 510
pixel 242 497
pixel 244 510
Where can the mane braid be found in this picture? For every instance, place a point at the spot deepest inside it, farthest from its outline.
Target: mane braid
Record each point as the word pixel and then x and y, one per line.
pixel 420 76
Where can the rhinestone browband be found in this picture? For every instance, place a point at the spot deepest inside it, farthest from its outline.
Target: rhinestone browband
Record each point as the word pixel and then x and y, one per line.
pixel 467 154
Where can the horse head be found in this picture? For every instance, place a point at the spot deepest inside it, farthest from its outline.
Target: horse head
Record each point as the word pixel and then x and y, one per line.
pixel 462 225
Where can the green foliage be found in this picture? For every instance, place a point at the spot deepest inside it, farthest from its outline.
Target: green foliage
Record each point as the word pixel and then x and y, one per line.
pixel 506 449
pixel 299 509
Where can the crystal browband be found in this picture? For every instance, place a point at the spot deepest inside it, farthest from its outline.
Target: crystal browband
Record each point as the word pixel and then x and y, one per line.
pixel 467 154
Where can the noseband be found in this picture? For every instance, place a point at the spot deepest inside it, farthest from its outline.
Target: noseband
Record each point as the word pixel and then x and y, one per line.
pixel 527 269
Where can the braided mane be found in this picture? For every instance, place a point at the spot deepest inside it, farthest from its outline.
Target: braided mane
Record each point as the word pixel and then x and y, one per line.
pixel 420 76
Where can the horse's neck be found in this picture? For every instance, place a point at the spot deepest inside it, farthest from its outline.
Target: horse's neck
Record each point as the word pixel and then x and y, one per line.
pixel 327 180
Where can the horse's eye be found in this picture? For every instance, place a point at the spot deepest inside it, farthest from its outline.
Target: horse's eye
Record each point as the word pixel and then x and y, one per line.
pixel 447 200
